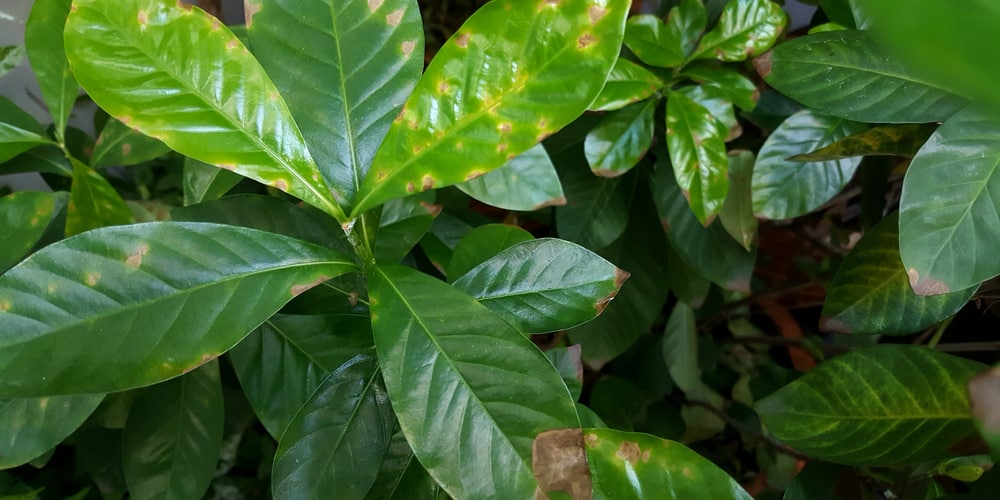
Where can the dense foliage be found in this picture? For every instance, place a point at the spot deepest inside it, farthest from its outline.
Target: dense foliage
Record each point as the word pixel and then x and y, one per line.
pixel 578 253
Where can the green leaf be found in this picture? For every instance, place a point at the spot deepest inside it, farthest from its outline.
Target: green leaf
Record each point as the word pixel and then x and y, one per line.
pixel 783 189
pixel 338 439
pixel 202 92
pixel 696 142
pixel 949 205
pixel 884 405
pixel 43 39
pixel 527 182
pixel 886 140
pixel 47 159
pixel 440 242
pixel 641 248
pixel 819 479
pixel 871 293
pixel 709 251
pixel 481 244
pixel 737 215
pixel 687 20
pixel 282 362
pixel 345 68
pixel 504 81
pixel 93 313
pixel 567 361
pixel 204 182
pixel 19 131
pixel 29 427
pixel 746 28
pixel 10 58
pixel 984 395
pixel 621 139
pixel 680 349
pixel 718 105
pixel 173 436
pixel 544 285
pixel 596 212
pixel 24 217
pixel 93 202
pixel 120 146
pixel 627 83
pixel 851 75
pixel 653 42
pixel 683 281
pixel 628 465
pixel 451 367
pixel 403 223
pixel 727 82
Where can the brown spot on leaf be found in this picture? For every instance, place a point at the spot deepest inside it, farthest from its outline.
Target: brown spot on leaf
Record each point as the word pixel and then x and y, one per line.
pixel 428 182
pixel 629 452
pixel 126 149
pixel 603 172
pixel 686 471
pixel 431 208
pixel 227 166
pixel 575 351
pixel 834 325
pixel 763 64
pixel 143 18
pixel 462 40
pixel 215 24
pixel 352 299
pixel 591 440
pixel 280 184
pixel 373 5
pixel 501 147
pixel 504 127
pixel 585 41
pixel 298 289
pixel 474 174
pixel 459 146
pixel 559 463
pixel 394 18
pixel 620 277
pixel 91 278
pixel 251 7
pixel 554 202
pixel 410 188
pixel 4 306
pixel 925 286
pixel 984 393
pixel 232 44
pixel 205 358
pixel 184 5
pixel 134 260
pixel 381 175
pixel 596 12
pixel 443 87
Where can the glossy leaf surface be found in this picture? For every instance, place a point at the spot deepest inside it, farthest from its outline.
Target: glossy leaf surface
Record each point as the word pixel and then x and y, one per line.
pixel 24 217
pixel 202 93
pixel 470 392
pixel 504 81
pixel 746 28
pixel 19 131
pixel 10 58
pixel 652 42
pixel 527 182
pixel 338 440
pixel 123 307
pixel 93 202
pixel 783 189
pixel 627 83
pixel 344 68
pixel 621 139
pixel 173 436
pixel 403 223
pixel 627 465
pixel 886 140
pixel 737 215
pixel 871 293
pixel 204 182
pixel 31 426
pixel 544 285
pixel 696 142
pixel 597 208
pixel 950 206
pixel 481 244
pixel 727 81
pixel 718 105
pixel 120 146
pixel 43 39
pixel 849 74
pixel 282 362
pixel 880 406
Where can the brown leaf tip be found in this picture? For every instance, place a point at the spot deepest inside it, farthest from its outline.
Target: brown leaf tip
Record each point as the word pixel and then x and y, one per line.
pixel 462 40
pixel 620 277
pixel 559 463
pixel 297 290
pixel 251 7
pixel 763 64
pixel 554 202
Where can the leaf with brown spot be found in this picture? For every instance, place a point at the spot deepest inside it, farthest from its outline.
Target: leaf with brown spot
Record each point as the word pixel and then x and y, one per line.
pixel 885 140
pixel 559 462
pixel 745 28
pixel 527 182
pixel 25 217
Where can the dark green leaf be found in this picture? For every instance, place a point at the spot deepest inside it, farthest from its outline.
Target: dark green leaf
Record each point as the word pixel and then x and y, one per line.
pixel 627 465
pixel 618 401
pixel 949 207
pixel 46 159
pixel 885 140
pixel 10 58
pixel 684 282
pixel 709 251
pixel 502 83
pixel 653 42
pixel 527 182
pixel 173 436
pixel 871 293
pixel 120 146
pixel 93 313
pixel 345 68
pixel 403 223
pixel 482 243
pixel 93 202
pixel 402 477
pixel 440 242
pixel 879 406
pixel 19 131
pixel 688 20
pixel 451 367
pixel 727 82
pixel 823 480
pixel 597 208
pixel 680 349
pixel 621 140
pixel 849 74
pixel 202 92
pixel 338 440
pixel 737 215
pixel 746 28
pixel 569 365
pixel 783 189
pixel 204 182
pixel 544 285
pixel 31 426
pixel 282 362
pixel 24 217
pixel 718 105
pixel 627 83
pixel 697 147
pixel 43 39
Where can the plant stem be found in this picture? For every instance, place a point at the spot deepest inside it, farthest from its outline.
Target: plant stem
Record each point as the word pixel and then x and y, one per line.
pixel 939 332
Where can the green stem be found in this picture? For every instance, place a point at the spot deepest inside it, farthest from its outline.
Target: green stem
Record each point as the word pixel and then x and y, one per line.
pixel 939 332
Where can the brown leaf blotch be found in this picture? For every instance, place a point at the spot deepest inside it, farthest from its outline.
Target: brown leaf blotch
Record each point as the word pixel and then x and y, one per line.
pixel 280 184
pixel 428 183
pixel 394 18
pixel 462 40
pixel 410 188
pixel 134 260
pixel 629 452
pixel 352 299
pixel 763 64
pixel 585 41
pixel 596 12
pixel 126 149
pixel 474 174
pixel 250 7
pixel 925 286
pixel 504 127
pixel 143 18
pixel 373 5
pixel 554 202
pixel 443 87
pixel 559 463
pixel 408 47
pixel 591 439
pixel 501 147
pixel 298 289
